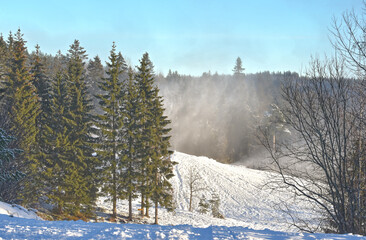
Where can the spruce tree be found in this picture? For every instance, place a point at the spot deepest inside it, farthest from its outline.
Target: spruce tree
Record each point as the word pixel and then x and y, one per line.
pixel 162 166
pixel 132 136
pixel 59 163
pixel 152 150
pixel 79 123
pixel 238 68
pixel 110 124
pixel 6 189
pixel 41 83
pixel 20 102
pixel 145 84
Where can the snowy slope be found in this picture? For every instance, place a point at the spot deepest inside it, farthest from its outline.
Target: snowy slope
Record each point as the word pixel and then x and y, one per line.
pixel 244 199
pixel 251 211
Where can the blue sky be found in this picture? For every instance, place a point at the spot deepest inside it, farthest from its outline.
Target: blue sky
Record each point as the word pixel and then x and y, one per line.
pixel 190 36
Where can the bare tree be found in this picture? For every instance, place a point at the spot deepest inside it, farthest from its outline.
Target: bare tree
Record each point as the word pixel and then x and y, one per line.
pixel 349 39
pixel 324 160
pixel 194 185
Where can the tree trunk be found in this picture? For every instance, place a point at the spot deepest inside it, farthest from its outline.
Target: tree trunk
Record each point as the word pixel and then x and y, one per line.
pixel 190 198
pixel 147 207
pixel 130 207
pixel 114 179
pixel 142 205
pixel 156 212
pixel 274 142
pixel 114 215
pixel 114 198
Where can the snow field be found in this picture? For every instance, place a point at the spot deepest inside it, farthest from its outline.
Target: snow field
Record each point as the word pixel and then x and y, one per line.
pixel 19 228
pixel 251 211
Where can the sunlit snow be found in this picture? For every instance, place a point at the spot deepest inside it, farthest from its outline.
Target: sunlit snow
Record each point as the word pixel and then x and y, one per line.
pixel 251 211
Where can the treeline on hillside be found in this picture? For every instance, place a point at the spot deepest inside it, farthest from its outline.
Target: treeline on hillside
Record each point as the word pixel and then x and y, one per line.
pixel 218 115
pixel 63 152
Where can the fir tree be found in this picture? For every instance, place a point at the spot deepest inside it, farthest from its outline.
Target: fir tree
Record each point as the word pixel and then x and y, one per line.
pixel 238 69
pixel 20 102
pixel 59 158
pixel 145 84
pixel 162 166
pixel 132 136
pixel 41 83
pixel 152 149
pixel 110 124
pixel 79 123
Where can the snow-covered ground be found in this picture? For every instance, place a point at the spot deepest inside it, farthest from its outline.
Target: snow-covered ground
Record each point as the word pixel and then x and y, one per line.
pixel 17 228
pixel 245 199
pixel 251 211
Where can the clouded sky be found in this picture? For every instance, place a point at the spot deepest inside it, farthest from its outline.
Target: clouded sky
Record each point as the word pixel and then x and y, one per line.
pixel 190 36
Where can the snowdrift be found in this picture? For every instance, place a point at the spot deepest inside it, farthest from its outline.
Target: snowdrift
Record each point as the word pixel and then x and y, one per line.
pixel 14 210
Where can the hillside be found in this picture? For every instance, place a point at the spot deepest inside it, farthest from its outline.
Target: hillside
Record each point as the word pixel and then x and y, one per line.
pixel 245 199
pixel 251 210
pixel 245 196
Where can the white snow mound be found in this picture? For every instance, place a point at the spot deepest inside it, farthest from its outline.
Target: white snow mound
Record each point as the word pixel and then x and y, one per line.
pixel 15 210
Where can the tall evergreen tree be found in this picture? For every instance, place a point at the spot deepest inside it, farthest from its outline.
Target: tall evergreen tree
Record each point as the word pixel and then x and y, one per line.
pixel 21 104
pixel 145 84
pixel 79 122
pixel 110 124
pixel 41 83
pixel 152 150
pixel 162 166
pixel 132 136
pixel 59 163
